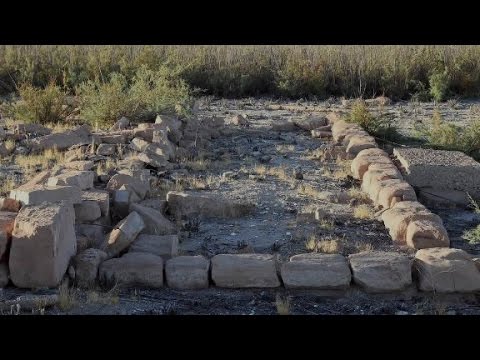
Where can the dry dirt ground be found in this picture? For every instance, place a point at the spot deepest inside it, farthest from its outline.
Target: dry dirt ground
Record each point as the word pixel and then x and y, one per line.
pixel 258 165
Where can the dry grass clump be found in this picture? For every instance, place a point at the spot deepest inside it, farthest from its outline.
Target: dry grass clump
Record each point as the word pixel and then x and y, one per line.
pixel 330 245
pixel 67 297
pixel 363 212
pixel 45 160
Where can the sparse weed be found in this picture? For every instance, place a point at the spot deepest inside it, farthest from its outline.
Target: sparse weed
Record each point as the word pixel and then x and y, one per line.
pixel 282 304
pixel 363 212
pixel 67 297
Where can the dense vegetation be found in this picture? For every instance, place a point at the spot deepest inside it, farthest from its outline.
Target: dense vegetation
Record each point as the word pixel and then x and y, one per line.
pixel 400 72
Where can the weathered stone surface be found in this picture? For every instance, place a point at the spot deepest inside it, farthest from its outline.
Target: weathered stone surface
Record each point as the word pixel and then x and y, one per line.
pixel 367 157
pixel 161 145
pixel 121 202
pixel 320 134
pixel 378 271
pixel 443 198
pixel 389 195
pixel 133 269
pixel 317 271
pixel 187 272
pixel 7 204
pixel 341 128
pixel 124 233
pixel 36 194
pixel 101 197
pixel 38 179
pixel 359 143
pixel 83 243
pixel 81 179
pixel 398 218
pixel 244 270
pixel 7 220
pixel 94 233
pixel 284 126
pixel 373 177
pixel 43 242
pixel 154 160
pixel 155 222
pixel 32 129
pixel 80 165
pixel 121 124
pixel 423 234
pixel 139 144
pixel 171 125
pixel 446 270
pixel 238 120
pixel 87 211
pixel 86 266
pixel 140 187
pixel 440 169
pixel 4 274
pixel 183 204
pixel 78 136
pixel 155 203
pixel 165 246
pixel 106 149
pixel 113 139
pixel 311 122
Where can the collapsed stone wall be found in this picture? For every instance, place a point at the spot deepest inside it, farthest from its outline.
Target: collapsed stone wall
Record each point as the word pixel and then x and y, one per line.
pixel 54 224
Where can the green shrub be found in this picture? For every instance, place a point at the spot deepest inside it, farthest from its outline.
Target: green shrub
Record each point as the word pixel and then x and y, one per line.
pixel 378 126
pixel 441 135
pixel 439 84
pixel 151 92
pixel 101 104
pixel 472 235
pixel 39 105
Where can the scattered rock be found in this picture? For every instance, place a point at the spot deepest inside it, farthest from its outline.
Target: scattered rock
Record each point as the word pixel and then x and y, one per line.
pixel 140 187
pixel 183 204
pixel 80 165
pixel 121 124
pixel 124 233
pixel 81 179
pixel 165 246
pixel 7 204
pixel 86 266
pixel 78 136
pixel 106 149
pixel 87 211
pixel 155 222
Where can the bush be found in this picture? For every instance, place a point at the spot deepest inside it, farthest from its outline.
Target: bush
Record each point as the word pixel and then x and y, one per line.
pixel 377 126
pixel 102 104
pixel 440 135
pixel 39 105
pixel 439 84
pixel 151 92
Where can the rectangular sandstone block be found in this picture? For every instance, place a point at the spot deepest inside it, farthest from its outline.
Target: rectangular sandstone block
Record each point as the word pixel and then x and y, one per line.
pixel 187 272
pixel 43 242
pixel 80 179
pixel 165 246
pixel 244 271
pixel 102 197
pixel 316 271
pixel 37 194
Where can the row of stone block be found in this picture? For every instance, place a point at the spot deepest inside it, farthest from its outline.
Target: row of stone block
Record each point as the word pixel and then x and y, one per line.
pixel 438 269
